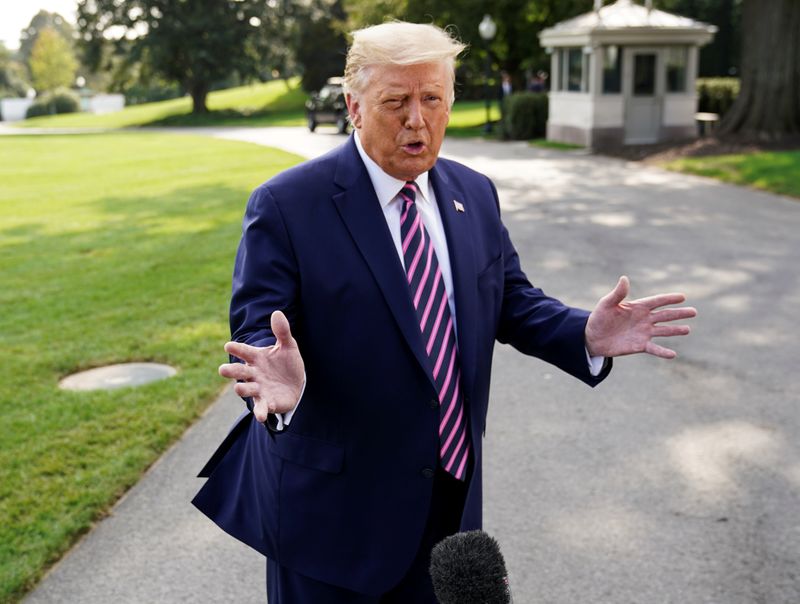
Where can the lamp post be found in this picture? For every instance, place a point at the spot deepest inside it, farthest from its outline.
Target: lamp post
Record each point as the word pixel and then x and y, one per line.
pixel 487 29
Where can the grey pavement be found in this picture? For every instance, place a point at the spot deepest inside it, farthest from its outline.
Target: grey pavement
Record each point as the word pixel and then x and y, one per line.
pixel 672 482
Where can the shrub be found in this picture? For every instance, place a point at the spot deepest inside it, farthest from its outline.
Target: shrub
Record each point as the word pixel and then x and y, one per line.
pixel 59 101
pixel 716 95
pixel 525 115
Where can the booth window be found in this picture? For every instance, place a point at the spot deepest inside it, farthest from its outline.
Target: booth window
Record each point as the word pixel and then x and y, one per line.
pixel 571 69
pixel 677 58
pixel 612 69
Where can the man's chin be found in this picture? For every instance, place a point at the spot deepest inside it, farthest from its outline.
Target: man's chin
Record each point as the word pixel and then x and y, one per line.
pixel 411 167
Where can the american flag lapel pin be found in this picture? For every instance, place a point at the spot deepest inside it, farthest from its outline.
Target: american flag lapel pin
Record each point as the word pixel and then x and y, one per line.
pixel 458 206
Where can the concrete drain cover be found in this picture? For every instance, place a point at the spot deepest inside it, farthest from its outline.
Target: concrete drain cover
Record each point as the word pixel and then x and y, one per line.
pixel 117 376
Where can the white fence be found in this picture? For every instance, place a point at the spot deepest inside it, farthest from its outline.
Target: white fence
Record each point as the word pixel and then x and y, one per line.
pixel 13 110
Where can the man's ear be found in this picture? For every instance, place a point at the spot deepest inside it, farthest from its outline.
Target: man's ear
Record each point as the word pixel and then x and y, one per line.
pixel 354 109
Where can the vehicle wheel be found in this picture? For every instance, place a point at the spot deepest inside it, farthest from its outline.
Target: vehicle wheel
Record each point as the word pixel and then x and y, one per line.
pixel 312 123
pixel 342 124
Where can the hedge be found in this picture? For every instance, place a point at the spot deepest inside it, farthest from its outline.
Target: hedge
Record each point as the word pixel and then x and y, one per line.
pixel 525 115
pixel 59 101
pixel 716 95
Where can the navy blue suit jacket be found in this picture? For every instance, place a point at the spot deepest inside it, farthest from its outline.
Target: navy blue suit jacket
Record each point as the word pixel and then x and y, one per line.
pixel 342 496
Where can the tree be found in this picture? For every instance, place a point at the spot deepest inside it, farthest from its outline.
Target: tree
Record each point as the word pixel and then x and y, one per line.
pixel 43 20
pixel 191 42
pixel 321 47
pixel 768 105
pixel 12 75
pixel 721 56
pixel 52 62
pixel 515 48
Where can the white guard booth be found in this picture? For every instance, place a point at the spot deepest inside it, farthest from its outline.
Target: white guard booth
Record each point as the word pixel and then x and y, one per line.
pixel 623 74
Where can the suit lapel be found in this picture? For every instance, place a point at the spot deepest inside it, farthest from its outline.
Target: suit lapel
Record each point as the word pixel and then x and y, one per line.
pixel 458 230
pixel 361 213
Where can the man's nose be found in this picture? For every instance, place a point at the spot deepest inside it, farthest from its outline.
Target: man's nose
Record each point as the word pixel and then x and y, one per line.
pixel 414 114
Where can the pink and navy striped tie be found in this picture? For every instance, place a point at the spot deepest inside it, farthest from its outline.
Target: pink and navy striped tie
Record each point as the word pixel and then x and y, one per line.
pixel 429 296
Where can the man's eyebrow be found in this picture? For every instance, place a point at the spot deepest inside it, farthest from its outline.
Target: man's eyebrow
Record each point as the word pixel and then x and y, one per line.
pixel 399 89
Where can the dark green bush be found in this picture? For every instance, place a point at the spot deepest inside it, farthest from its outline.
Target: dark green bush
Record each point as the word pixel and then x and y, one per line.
pixel 39 107
pixel 59 101
pixel 716 95
pixel 525 115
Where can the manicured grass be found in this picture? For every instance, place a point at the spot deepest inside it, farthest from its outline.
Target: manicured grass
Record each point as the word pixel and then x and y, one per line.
pixel 777 171
pixel 275 103
pixel 468 118
pixel 270 104
pixel 546 144
pixel 113 248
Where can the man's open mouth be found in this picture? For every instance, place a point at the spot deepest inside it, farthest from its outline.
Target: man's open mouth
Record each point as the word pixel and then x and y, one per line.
pixel 414 148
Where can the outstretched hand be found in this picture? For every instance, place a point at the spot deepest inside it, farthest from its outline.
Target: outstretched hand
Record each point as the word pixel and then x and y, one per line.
pixel 617 327
pixel 272 375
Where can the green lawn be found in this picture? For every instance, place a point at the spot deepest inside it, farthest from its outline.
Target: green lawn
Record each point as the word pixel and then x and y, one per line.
pixel 777 171
pixel 275 103
pixel 113 248
pixel 546 144
pixel 272 104
pixel 468 118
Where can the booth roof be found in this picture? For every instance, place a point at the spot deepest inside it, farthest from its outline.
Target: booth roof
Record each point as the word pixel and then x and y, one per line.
pixel 622 15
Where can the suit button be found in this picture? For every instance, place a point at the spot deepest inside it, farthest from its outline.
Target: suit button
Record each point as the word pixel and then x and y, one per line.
pixel 434 403
pixel 427 473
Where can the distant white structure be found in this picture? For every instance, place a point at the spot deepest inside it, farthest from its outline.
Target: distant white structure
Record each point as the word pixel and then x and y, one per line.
pixel 104 103
pixel 623 74
pixel 13 110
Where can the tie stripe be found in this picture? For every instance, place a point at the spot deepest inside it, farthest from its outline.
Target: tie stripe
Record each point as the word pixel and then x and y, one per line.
pixel 430 300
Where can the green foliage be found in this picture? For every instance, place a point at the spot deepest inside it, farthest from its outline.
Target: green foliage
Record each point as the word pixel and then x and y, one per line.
pixel 716 95
pixel 13 80
pixel 721 57
pixel 52 62
pixel 525 115
pixel 193 43
pixel 130 263
pixel 54 102
pixel 41 21
pixel 515 47
pixel 778 172
pixel 321 48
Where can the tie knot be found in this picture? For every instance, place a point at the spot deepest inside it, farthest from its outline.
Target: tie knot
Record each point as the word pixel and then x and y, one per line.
pixel 409 192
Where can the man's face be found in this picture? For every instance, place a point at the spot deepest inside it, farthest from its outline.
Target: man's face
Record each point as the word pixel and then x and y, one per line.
pixel 401 116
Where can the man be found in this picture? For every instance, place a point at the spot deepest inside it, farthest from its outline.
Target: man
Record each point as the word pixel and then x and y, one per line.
pixel 369 288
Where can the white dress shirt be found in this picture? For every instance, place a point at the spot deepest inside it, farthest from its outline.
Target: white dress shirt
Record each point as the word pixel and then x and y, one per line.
pixel 387 188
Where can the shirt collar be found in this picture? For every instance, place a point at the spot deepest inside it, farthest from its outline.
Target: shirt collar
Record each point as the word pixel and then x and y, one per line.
pixel 388 187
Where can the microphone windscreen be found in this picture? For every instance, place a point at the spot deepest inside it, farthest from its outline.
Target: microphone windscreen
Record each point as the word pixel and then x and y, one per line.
pixel 468 568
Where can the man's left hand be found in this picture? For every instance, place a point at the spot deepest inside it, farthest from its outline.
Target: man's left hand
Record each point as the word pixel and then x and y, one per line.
pixel 618 327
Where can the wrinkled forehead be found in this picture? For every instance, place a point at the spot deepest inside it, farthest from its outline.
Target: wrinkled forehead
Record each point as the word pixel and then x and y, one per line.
pixel 429 76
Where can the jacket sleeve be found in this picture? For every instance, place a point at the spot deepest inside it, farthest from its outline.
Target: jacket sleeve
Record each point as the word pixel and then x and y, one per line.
pixel 539 325
pixel 265 276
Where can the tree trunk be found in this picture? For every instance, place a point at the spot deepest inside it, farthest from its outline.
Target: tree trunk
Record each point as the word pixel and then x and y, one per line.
pixel 768 105
pixel 199 92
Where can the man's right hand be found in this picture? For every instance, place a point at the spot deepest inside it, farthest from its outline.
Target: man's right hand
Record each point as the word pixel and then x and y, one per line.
pixel 273 375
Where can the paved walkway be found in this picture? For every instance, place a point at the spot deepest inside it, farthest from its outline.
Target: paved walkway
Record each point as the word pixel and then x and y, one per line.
pixel 673 482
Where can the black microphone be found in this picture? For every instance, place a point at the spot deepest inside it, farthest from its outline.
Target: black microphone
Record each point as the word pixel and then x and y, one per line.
pixel 468 568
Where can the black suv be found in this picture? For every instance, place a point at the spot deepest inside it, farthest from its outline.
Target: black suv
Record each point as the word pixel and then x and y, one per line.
pixel 328 107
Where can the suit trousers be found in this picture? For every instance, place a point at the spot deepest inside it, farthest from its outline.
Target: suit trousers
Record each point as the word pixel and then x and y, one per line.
pixel 285 586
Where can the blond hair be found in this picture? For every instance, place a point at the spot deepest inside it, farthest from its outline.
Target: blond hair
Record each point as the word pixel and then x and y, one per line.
pixel 398 43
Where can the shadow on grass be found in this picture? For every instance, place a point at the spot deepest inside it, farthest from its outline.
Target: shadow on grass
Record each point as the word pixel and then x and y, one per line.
pixel 232 117
pixel 283 110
